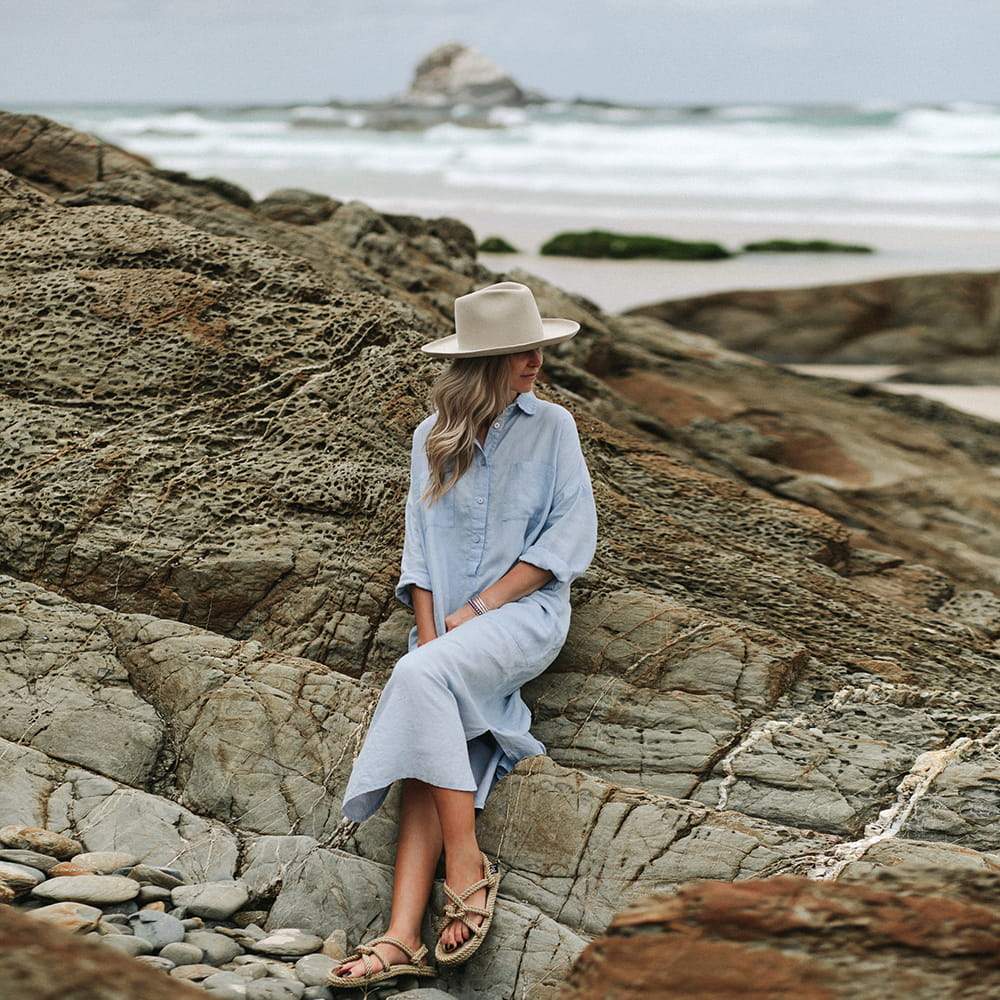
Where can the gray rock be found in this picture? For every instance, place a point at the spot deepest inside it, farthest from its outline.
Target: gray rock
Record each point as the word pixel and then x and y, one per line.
pixel 193 973
pixel 319 993
pixel 153 894
pixel 128 944
pixel 125 909
pixel 425 993
pixel 288 941
pixel 182 953
pixel 109 927
pixel 217 948
pixel 157 928
pixel 151 875
pixel 226 991
pixel 88 888
pixel 302 208
pixel 252 970
pixel 978 608
pixel 275 989
pixel 335 945
pixel 243 936
pixel 271 966
pixel 33 859
pixel 334 889
pixel 20 877
pixel 104 862
pixel 224 979
pixel 453 73
pixel 157 961
pixel 212 900
pixel 314 969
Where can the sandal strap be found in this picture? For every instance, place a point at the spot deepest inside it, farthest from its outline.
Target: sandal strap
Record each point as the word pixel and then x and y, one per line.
pixel 402 946
pixel 365 950
pixel 459 900
pixel 455 913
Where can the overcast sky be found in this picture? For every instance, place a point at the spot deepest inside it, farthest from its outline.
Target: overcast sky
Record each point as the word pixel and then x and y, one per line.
pixel 644 50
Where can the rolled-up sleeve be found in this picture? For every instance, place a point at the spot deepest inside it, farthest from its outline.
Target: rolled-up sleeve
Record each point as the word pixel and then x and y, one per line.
pixel 413 564
pixel 568 539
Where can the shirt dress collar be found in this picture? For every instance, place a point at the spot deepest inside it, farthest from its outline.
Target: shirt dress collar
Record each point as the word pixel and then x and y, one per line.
pixel 527 401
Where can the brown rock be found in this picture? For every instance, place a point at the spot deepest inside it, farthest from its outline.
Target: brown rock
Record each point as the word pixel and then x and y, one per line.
pixel 35 838
pixel 74 917
pixel 195 973
pixel 40 960
pixel 68 868
pixel 794 937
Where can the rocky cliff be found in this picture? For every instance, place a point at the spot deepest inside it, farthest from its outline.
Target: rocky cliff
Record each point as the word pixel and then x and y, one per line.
pixel 783 660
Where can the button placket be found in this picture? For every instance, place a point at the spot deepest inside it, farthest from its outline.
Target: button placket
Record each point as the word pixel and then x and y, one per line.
pixel 479 511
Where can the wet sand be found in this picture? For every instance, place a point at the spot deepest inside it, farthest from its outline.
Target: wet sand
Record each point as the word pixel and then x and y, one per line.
pixel 980 400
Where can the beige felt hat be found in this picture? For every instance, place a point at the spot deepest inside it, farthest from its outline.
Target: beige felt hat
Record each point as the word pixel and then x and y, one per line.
pixel 499 319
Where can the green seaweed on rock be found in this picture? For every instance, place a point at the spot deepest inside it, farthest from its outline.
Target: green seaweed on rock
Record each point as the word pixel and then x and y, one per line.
pixel 496 244
pixel 805 246
pixel 621 246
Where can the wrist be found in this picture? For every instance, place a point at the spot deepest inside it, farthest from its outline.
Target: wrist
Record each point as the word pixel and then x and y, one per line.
pixel 480 603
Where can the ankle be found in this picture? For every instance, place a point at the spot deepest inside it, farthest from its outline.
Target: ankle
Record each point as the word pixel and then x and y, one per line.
pixel 407 935
pixel 464 853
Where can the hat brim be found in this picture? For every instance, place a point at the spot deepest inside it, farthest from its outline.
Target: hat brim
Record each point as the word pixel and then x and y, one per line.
pixel 556 330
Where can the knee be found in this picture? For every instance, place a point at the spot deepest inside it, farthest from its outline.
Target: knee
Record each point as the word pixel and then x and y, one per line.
pixel 414 667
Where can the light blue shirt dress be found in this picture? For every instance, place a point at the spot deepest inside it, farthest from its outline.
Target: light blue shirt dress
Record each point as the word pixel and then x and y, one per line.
pixel 451 713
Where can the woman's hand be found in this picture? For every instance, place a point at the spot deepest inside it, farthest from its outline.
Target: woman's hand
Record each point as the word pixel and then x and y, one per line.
pixel 463 614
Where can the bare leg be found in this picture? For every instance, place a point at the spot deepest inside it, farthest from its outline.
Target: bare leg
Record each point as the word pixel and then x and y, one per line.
pixel 418 848
pixel 463 861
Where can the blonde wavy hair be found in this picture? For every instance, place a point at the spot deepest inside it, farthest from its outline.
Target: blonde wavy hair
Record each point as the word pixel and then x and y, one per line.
pixel 470 392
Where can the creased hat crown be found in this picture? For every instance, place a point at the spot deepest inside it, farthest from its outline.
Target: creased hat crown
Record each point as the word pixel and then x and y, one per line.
pixel 504 313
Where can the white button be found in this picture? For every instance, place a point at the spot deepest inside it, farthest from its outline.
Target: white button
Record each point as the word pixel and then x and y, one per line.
pixel 479 499
pixel 497 424
pixel 476 539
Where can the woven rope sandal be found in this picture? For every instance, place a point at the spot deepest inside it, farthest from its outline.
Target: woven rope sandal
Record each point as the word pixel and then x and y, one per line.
pixel 459 909
pixel 415 967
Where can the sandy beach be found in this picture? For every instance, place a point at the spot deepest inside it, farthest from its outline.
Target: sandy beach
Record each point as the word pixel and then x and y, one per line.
pixel 980 400
pixel 620 285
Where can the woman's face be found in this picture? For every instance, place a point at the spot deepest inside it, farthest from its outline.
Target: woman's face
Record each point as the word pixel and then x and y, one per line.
pixel 524 367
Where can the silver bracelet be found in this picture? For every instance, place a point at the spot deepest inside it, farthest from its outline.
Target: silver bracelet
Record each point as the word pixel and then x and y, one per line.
pixel 478 605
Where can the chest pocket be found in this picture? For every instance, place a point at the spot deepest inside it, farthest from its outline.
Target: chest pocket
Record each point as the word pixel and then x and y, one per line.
pixel 526 491
pixel 440 513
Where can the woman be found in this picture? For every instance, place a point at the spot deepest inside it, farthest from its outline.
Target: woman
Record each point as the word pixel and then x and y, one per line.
pixel 500 519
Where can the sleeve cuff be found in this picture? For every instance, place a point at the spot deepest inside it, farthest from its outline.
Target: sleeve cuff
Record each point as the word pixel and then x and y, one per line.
pixel 544 559
pixel 403 588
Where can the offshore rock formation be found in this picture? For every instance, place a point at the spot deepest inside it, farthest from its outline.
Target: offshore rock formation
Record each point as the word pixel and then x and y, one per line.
pixel 458 74
pixel 920 318
pixel 783 660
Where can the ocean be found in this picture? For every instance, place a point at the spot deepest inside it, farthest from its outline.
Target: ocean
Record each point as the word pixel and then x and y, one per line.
pixel 851 165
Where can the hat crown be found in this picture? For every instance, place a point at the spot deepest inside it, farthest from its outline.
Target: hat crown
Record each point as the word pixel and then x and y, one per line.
pixel 504 314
